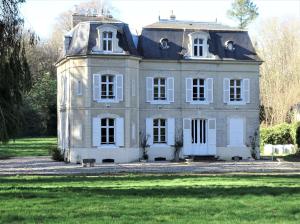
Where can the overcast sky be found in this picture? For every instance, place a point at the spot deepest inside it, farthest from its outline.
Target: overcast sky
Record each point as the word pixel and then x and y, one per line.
pixel 40 15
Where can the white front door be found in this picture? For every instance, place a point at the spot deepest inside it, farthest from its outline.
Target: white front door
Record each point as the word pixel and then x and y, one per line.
pixel 199 137
pixel 236 132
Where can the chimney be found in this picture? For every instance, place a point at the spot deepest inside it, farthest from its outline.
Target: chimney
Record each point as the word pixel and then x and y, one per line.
pixel 172 16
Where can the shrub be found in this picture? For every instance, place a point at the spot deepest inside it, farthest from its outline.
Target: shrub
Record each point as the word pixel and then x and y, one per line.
pixel 56 154
pixel 296 133
pixel 277 135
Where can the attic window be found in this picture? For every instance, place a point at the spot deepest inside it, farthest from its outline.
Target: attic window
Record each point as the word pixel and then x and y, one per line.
pixel 164 43
pixel 229 45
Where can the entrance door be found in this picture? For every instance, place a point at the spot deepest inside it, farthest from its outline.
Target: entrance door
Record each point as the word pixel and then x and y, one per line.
pixel 199 136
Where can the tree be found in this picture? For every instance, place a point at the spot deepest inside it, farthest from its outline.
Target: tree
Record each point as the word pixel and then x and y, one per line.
pixel 244 11
pixel 278 46
pixel 15 77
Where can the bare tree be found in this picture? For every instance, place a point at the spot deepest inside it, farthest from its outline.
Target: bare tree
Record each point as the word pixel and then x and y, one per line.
pixel 279 48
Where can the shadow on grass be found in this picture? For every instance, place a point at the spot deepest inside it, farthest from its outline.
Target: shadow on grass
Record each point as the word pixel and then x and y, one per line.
pixel 155 191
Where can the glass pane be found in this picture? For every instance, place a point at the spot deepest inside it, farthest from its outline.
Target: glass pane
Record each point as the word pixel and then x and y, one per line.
pixel 109 34
pixel 200 41
pixel 200 51
pixel 162 122
pixel 109 45
pixel 103 78
pixel 162 81
pixel 204 131
pixel 193 134
pixel 111 122
pixel 162 92
pixel 162 138
pixel 202 82
pixel 155 81
pixel 238 82
pixel 103 122
pixel 195 94
pixel 111 89
pixel 195 82
pixel 201 126
pixel 196 41
pixel 195 51
pixel 155 131
pixel 155 92
pixel 231 82
pixel 110 78
pixel 104 34
pixel 155 122
pixel 104 45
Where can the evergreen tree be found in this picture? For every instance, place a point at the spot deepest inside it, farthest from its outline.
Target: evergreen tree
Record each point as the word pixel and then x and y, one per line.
pixel 244 11
pixel 15 77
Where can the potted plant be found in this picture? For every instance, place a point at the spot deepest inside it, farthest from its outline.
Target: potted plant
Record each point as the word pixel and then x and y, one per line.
pixel 144 144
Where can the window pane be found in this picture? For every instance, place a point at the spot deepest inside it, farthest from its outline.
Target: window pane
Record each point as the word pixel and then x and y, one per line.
pixel 232 82
pixel 163 139
pixel 200 51
pixel 196 41
pixel 111 122
pixel 103 122
pixel 104 45
pixel 109 34
pixel 162 81
pixel 103 135
pixel 110 78
pixel 109 45
pixel 200 41
pixel 155 92
pixel 103 78
pixel 238 82
pixel 155 122
pixel 162 92
pixel 201 81
pixel 195 51
pixel 162 122
pixel 195 81
pixel 155 81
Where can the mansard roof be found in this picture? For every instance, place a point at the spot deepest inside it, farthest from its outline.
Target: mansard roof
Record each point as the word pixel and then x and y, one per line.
pixel 84 36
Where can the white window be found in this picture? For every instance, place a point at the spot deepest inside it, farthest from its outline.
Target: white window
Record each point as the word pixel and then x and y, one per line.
pixel 159 131
pixel 198 47
pixel 235 90
pixel 79 88
pixel 198 89
pixel 107 40
pixel 107 87
pixel 159 89
pixel 107 131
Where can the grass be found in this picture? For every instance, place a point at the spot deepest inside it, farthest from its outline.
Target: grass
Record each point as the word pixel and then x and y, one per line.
pixel 150 199
pixel 27 147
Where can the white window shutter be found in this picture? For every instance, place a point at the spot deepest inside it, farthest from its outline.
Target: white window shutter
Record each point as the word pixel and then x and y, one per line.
pixel 149 130
pixel 96 131
pixel 119 132
pixel 210 90
pixel 171 131
pixel 226 90
pixel 149 89
pixel 246 90
pixel 170 86
pixel 187 136
pixel 211 136
pixel 189 89
pixel 119 87
pixel 96 87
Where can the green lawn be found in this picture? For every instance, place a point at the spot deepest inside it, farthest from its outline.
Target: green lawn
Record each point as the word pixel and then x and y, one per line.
pixel 27 147
pixel 150 199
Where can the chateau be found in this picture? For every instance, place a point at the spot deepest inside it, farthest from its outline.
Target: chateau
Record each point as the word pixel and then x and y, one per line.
pixel 198 80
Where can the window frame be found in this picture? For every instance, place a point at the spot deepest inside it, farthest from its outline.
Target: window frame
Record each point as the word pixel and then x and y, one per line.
pixel 198 87
pixel 198 35
pixel 105 41
pixel 159 128
pixel 159 86
pixel 235 87
pixel 107 84
pixel 107 127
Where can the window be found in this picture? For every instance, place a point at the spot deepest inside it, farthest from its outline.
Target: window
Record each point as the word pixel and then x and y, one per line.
pixel 164 43
pixel 235 90
pixel 198 90
pixel 79 88
pixel 107 87
pixel 198 131
pixel 107 131
pixel 159 131
pixel 107 41
pixel 159 85
pixel 198 47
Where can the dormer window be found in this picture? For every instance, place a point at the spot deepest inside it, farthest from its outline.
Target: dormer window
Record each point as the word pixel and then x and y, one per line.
pixel 198 47
pixel 229 45
pixel 164 43
pixel 107 41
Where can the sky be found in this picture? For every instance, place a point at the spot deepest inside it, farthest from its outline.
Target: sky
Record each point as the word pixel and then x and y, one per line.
pixel 41 15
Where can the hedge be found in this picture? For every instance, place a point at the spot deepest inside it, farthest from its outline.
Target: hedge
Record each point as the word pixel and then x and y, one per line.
pixel 281 134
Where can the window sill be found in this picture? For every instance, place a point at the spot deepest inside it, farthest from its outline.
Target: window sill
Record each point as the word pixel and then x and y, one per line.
pixel 199 102
pixel 108 146
pixel 107 101
pixel 160 102
pixel 236 103
pixel 158 145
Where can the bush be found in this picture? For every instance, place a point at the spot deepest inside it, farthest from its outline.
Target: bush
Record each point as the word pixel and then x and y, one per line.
pixel 277 135
pixel 296 133
pixel 56 154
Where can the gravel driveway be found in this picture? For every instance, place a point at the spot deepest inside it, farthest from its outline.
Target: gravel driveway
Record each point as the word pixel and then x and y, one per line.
pixel 45 166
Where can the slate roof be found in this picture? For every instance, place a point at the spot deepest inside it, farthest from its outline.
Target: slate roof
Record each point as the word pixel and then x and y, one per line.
pixel 177 32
